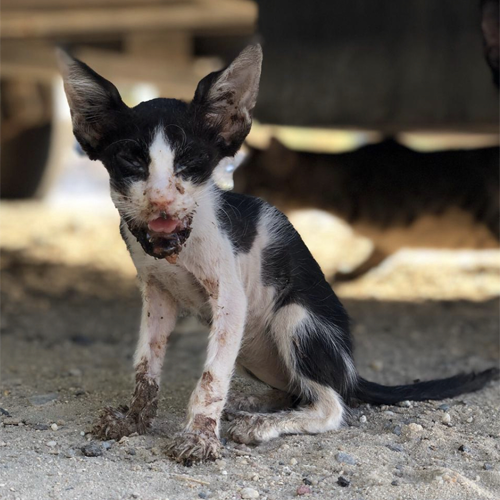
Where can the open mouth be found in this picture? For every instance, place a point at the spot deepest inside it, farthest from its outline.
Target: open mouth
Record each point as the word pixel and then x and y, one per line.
pixel 164 237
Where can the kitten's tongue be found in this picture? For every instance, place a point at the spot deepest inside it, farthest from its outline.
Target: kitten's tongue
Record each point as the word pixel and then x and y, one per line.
pixel 162 226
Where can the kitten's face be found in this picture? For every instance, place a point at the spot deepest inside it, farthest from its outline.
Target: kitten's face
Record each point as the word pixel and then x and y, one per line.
pixel 158 174
pixel 161 154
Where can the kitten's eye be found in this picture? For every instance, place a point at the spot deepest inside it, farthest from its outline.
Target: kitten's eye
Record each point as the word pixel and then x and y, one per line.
pixel 131 166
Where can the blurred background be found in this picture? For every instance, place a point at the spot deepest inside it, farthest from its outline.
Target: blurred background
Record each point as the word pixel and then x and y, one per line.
pixel 376 128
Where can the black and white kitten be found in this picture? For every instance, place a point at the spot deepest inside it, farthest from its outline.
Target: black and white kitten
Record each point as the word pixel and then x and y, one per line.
pixel 232 260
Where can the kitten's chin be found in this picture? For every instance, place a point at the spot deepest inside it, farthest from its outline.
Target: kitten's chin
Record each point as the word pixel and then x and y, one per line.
pixel 162 244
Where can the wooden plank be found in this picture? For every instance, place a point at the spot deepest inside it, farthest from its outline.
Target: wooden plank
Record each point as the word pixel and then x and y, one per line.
pixel 77 4
pixel 238 15
pixel 175 79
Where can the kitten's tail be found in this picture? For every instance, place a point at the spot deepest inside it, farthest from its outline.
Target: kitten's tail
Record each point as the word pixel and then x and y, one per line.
pixel 377 394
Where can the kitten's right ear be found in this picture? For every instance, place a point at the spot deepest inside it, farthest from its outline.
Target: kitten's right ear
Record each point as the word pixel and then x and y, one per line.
pixel 490 27
pixel 95 103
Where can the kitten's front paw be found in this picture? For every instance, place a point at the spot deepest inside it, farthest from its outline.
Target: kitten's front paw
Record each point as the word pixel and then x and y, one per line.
pixel 114 424
pixel 252 429
pixel 194 446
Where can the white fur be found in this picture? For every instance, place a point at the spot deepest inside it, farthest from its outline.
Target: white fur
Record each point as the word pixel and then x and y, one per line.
pixel 161 182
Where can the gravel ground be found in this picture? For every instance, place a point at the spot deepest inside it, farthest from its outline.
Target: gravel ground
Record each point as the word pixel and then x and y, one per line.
pixel 70 314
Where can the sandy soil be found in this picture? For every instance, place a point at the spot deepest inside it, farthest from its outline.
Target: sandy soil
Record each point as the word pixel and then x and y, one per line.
pixel 70 313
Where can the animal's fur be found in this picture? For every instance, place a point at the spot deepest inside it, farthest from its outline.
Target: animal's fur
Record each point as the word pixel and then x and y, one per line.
pixel 233 260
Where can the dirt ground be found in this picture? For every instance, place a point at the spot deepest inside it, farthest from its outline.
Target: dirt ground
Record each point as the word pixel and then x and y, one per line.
pixel 70 314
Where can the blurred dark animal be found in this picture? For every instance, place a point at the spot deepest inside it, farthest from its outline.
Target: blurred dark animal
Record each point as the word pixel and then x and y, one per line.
pixel 490 13
pixel 394 195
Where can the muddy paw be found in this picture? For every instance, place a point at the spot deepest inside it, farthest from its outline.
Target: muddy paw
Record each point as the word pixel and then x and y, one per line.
pixel 114 424
pixel 248 428
pixel 187 447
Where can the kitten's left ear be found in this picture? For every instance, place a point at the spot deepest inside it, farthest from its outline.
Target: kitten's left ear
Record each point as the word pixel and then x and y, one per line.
pixel 95 103
pixel 227 97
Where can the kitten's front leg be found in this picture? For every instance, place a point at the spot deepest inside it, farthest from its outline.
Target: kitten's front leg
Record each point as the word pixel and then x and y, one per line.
pixel 159 314
pixel 200 437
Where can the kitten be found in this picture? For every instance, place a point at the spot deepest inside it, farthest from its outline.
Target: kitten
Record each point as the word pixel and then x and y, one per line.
pixel 389 193
pixel 232 260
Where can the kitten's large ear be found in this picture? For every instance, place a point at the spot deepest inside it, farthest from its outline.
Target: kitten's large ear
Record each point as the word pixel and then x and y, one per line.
pixel 95 103
pixel 228 97
pixel 490 27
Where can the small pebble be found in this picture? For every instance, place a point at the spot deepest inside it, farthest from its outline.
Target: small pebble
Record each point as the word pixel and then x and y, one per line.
pixel 444 407
pixel 344 482
pixel 470 419
pixel 131 451
pixel 75 372
pixel 395 482
pixel 446 419
pixel 362 419
pixel 395 447
pixel 397 430
pixel 69 453
pixel 92 449
pixel 303 490
pixel 54 427
pixel 42 399
pixel 107 444
pixel 293 461
pixel 249 493
pixel 464 448
pixel 345 458
pixel 487 466
pixel 202 494
pixel 413 428
pixel 41 427
pixel 51 444
pixel 11 421
pixel 307 482
pixel 405 404
pixel 377 366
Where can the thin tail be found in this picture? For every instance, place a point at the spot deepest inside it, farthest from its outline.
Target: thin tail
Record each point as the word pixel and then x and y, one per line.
pixel 377 394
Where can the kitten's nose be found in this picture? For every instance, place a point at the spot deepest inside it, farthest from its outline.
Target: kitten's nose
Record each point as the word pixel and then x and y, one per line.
pixel 161 204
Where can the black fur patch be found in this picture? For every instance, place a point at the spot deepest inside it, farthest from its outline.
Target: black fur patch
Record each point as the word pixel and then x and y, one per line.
pixel 126 151
pixel 238 217
pixel 290 268
pixel 321 356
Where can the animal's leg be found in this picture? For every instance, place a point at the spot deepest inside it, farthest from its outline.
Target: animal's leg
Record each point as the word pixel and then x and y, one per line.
pixel 270 401
pixel 200 438
pixel 323 414
pixel 159 314
pixel 374 260
pixel 316 357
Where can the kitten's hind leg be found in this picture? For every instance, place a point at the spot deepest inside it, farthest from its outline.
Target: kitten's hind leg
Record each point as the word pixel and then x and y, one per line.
pixel 270 401
pixel 159 314
pixel 324 413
